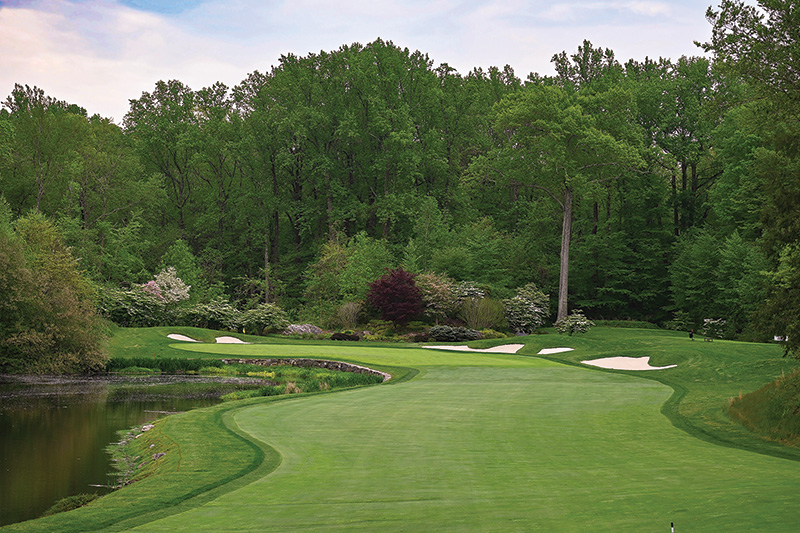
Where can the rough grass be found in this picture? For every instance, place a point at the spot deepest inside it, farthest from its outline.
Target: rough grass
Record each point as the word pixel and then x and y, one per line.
pixel 71 502
pixel 476 442
pixel 772 411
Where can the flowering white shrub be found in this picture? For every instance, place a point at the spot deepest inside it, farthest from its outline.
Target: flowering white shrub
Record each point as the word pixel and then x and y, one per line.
pixel 575 322
pixel 713 327
pixel 468 289
pixel 140 306
pixel 263 319
pixel 439 294
pixel 171 287
pixel 527 310
pixel 216 314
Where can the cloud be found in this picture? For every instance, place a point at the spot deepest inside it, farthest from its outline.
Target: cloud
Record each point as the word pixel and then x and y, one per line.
pixel 619 10
pixel 101 53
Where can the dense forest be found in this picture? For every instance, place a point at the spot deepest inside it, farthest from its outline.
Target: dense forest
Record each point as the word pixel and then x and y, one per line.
pixel 665 191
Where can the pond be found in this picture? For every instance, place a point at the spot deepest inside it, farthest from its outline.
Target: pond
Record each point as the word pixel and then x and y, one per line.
pixel 54 430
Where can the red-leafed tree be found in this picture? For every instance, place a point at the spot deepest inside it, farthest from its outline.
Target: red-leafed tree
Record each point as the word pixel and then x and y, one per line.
pixel 396 296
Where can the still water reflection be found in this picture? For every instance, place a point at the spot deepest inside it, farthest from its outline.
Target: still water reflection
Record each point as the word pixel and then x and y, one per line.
pixel 54 431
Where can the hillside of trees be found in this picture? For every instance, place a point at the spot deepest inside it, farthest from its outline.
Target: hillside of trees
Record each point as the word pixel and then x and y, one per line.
pixel 659 190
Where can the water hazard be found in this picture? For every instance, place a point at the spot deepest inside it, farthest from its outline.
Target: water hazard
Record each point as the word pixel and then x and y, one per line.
pixel 54 431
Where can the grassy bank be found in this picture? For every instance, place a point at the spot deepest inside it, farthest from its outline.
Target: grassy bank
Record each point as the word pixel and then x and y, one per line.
pixel 473 442
pixel 772 411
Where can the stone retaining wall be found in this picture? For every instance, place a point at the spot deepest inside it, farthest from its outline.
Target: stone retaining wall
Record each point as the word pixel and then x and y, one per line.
pixel 315 363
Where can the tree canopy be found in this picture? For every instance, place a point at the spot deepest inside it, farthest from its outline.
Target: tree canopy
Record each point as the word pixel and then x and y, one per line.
pixel 646 190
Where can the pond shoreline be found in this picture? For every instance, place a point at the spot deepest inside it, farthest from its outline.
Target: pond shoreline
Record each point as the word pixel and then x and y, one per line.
pixel 55 429
pixel 339 366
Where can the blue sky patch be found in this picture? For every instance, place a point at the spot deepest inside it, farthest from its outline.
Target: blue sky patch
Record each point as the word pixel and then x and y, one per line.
pixel 171 7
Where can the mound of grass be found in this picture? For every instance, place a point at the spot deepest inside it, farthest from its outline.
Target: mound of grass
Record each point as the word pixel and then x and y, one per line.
pixel 71 502
pixel 773 411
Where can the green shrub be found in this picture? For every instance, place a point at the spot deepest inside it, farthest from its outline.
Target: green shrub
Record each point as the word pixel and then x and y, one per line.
pixel 241 395
pixel 416 326
pixel 482 313
pixel 381 328
pixel 453 334
pixel 348 314
pixel 272 390
pixel 492 334
pixel 265 318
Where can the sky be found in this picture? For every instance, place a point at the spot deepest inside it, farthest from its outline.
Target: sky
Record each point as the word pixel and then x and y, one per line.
pixel 100 54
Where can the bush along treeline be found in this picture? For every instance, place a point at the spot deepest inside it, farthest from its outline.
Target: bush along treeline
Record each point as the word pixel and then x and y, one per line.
pixel 657 191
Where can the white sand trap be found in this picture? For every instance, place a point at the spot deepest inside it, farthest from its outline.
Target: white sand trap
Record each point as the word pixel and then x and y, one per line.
pixel 546 351
pixel 179 337
pixel 230 340
pixel 626 363
pixel 505 348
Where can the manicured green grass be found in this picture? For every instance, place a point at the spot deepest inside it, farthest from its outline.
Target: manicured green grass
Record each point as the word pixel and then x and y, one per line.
pixel 476 442
pixel 708 375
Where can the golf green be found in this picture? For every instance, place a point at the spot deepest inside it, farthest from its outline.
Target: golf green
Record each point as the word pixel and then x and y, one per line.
pixel 492 443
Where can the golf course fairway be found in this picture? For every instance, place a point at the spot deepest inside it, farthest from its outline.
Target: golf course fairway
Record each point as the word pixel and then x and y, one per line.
pixel 486 442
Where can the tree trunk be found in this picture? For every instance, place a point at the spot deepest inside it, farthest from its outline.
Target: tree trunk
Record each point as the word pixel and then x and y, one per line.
pixel 332 233
pixel 695 187
pixel 266 263
pixel 675 210
pixel 566 235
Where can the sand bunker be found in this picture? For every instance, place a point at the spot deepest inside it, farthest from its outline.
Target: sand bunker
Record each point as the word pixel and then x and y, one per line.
pixel 230 340
pixel 178 337
pixel 546 351
pixel 505 348
pixel 220 340
pixel 626 363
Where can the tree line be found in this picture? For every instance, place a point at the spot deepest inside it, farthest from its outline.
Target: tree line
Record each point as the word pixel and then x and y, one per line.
pixel 654 190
